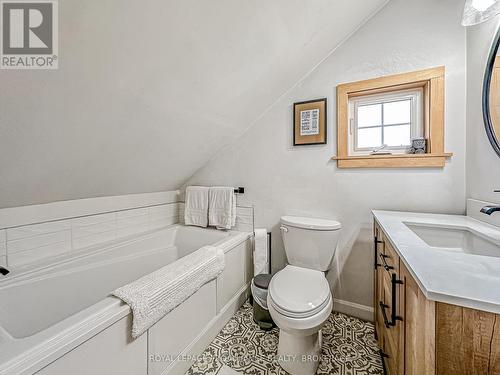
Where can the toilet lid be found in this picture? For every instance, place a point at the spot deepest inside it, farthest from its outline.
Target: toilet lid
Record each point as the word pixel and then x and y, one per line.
pixel 299 292
pixel 310 223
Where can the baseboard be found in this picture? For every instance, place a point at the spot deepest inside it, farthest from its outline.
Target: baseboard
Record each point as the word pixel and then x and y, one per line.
pixel 199 344
pixel 353 309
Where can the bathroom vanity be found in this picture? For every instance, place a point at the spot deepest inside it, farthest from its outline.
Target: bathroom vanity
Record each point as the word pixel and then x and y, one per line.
pixel 437 294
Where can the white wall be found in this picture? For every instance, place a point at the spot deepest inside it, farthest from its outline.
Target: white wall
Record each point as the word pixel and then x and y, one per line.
pixel 147 91
pixel 280 179
pixel 483 164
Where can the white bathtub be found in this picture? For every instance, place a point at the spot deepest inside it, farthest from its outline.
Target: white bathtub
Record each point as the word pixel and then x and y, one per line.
pixel 47 312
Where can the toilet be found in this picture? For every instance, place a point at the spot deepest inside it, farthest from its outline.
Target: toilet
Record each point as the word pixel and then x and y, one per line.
pixel 299 297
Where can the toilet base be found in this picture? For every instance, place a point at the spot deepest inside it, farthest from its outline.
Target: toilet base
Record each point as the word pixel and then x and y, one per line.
pixel 299 355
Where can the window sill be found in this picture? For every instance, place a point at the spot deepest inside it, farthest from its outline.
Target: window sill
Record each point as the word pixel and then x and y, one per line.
pixel 393 161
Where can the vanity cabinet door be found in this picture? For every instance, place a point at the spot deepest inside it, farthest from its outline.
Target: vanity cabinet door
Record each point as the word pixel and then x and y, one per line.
pixel 379 285
pixel 392 332
pixel 386 298
pixel 467 341
pixel 417 341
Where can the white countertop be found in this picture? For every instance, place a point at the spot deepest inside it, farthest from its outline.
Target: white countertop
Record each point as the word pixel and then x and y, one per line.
pixel 457 278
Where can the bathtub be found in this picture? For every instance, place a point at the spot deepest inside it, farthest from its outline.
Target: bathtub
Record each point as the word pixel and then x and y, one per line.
pixel 50 313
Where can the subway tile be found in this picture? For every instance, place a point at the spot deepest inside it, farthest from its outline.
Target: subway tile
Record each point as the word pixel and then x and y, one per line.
pixel 181 208
pixel 3 243
pixel 93 225
pixel 163 211
pixel 93 219
pixel 33 230
pixel 93 239
pixel 131 213
pixel 39 253
pixel 34 242
pixel 41 242
pixel 244 219
pixel 131 221
pixel 163 222
pixel 89 230
pixel 131 230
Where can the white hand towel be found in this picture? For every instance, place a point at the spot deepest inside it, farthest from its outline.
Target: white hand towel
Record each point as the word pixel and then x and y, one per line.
pixel 196 208
pixel 260 256
pixel 153 296
pixel 222 207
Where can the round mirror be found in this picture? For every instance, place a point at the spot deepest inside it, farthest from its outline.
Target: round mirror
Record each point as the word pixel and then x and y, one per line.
pixel 491 95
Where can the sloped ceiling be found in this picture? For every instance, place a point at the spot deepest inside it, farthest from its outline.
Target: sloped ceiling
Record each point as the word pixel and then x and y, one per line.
pixel 147 91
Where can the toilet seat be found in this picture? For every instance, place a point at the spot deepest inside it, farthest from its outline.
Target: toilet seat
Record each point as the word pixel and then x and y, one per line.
pixel 297 292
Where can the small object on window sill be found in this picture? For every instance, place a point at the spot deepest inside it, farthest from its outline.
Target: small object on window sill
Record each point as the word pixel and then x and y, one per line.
pixel 418 146
pixel 380 151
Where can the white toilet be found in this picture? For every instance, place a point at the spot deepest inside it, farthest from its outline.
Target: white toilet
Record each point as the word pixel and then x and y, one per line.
pixel 299 297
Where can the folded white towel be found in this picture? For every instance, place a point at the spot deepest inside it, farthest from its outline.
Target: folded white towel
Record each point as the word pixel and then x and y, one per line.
pixel 196 207
pixel 260 261
pixel 155 295
pixel 222 207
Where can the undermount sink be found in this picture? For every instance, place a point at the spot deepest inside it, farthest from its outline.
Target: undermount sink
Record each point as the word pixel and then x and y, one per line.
pixel 456 239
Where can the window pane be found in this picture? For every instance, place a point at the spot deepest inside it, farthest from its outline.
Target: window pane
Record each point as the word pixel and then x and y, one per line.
pixel 369 115
pixel 398 135
pixel 397 112
pixel 371 137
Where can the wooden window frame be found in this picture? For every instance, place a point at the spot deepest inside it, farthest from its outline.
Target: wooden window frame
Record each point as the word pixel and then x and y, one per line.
pixel 415 96
pixel 432 83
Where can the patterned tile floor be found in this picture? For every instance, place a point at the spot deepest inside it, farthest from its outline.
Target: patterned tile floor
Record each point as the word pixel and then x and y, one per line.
pixel 349 348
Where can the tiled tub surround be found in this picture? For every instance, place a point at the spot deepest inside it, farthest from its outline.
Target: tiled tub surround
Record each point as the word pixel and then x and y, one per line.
pixel 32 243
pixel 60 319
pixel 36 235
pixel 454 277
pixel 32 235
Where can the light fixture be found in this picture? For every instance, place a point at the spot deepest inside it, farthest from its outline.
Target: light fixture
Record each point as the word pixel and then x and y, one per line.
pixel 477 11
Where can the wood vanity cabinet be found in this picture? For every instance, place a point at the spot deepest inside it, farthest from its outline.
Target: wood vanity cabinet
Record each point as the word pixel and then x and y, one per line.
pixel 417 336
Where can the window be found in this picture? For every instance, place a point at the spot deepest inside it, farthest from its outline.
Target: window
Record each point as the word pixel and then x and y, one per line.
pixel 386 113
pixel 385 121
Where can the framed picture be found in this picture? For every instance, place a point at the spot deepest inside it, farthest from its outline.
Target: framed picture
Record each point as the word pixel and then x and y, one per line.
pixel 309 122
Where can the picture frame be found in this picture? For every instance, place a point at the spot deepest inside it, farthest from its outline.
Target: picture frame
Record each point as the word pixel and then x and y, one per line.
pixel 309 122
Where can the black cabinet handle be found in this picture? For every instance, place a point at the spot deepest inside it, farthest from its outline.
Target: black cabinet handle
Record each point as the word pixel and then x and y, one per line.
pixel 376 241
pixel 394 317
pixel 387 267
pixel 383 306
pixel 394 283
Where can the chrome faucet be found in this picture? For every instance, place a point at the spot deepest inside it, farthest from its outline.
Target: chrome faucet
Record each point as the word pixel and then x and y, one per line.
pixel 4 271
pixel 488 210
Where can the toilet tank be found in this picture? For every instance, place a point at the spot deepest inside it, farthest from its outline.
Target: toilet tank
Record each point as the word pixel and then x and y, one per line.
pixel 310 242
